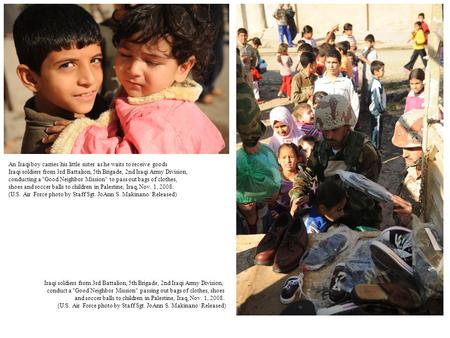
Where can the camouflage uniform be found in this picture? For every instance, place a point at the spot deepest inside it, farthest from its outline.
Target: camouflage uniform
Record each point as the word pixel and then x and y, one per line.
pixel 356 155
pixel 249 125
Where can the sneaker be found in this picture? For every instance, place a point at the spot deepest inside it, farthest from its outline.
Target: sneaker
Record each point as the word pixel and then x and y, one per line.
pixel 267 248
pixel 291 288
pixel 386 259
pixel 400 239
pixel 341 284
pixel 325 251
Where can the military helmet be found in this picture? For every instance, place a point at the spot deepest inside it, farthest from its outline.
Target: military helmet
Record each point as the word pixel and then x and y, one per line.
pixel 408 129
pixel 333 111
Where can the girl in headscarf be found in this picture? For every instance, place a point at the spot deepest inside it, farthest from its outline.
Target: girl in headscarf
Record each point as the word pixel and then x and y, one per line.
pixel 284 128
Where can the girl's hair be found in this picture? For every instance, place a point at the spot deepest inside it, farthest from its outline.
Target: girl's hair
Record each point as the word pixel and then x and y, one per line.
pixel 188 29
pixel 329 193
pixel 307 138
pixel 294 148
pixel 318 95
pixel 307 29
pixel 283 48
pixel 419 23
pixel 418 74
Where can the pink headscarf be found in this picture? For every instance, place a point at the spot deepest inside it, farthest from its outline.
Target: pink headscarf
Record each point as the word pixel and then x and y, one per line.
pixel 283 115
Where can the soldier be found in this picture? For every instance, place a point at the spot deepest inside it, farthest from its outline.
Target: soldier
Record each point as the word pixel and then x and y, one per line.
pixel 408 136
pixel 341 148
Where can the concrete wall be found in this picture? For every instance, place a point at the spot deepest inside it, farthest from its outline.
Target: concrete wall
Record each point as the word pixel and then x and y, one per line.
pixel 389 23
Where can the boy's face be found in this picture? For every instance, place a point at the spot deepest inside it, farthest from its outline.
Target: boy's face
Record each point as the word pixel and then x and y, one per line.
pixel 69 80
pixel 333 66
pixel 145 69
pixel 334 213
pixel 416 27
pixel 311 68
pixel 242 38
pixel 308 148
pixel 379 73
pixel 349 32
pixel 369 44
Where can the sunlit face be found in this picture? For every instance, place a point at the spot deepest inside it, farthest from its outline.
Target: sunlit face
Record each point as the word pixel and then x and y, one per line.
pixel 333 66
pixel 379 73
pixel 312 68
pixel 308 148
pixel 145 69
pixel 412 156
pixel 69 80
pixel 416 85
pixel 307 36
pixel 416 27
pixel 280 128
pixel 335 137
pixel 288 159
pixel 307 116
pixel 242 38
pixel 334 213
pixel 369 44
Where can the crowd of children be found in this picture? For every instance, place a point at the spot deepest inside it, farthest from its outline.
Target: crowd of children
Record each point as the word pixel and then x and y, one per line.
pixel 328 69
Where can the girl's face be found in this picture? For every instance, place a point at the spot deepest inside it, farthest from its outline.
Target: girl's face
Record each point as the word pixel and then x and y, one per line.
pixel 145 69
pixel 416 85
pixel 287 159
pixel 307 117
pixel 334 213
pixel 280 128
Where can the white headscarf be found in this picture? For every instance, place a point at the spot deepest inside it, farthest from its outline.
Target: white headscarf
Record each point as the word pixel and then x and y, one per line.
pixel 283 115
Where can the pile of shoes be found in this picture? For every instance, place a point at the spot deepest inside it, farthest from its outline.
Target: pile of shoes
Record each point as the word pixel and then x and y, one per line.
pixel 325 251
pixel 283 245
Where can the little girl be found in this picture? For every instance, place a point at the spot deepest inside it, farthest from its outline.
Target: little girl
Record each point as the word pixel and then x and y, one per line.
pixel 284 128
pixel 289 157
pixel 285 63
pixel 416 96
pixel 328 204
pixel 158 47
pixel 307 34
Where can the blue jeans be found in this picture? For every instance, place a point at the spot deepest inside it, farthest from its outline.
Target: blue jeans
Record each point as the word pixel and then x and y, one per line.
pixel 284 31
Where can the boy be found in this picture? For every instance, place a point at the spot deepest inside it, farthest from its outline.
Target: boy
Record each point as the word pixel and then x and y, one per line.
pixel 419 42
pixel 323 49
pixel 304 118
pixel 282 21
pixel 306 143
pixel 247 54
pixel 332 82
pixel 426 30
pixel 303 81
pixel 348 36
pixel 377 105
pixel 59 51
pixel 369 54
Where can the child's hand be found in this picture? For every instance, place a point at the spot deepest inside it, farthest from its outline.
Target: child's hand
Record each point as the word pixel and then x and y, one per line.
pixel 54 131
pixel 297 203
pixel 335 28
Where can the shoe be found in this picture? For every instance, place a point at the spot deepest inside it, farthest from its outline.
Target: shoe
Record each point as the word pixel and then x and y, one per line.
pixel 325 251
pixel 400 239
pixel 387 260
pixel 341 284
pixel 292 247
pixel 267 248
pixel 291 288
pixel 393 294
pixel 216 92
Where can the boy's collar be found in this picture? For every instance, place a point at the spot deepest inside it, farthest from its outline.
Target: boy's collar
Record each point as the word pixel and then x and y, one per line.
pixel 188 90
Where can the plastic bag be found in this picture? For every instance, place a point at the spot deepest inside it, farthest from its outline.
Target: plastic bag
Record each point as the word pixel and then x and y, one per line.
pixel 258 176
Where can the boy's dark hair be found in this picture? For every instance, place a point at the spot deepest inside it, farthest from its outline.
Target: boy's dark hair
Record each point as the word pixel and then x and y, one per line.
pixel 330 193
pixel 369 38
pixel 315 51
pixel 333 53
pixel 283 47
pixel 307 29
pixel 376 66
pixel 417 73
pixel 324 48
pixel 305 47
pixel 186 28
pixel 296 149
pixel 242 31
pixel 317 96
pixel 348 27
pixel 422 15
pixel 350 54
pixel 307 138
pixel 256 41
pixel 419 23
pixel 332 36
pixel 344 46
pixel 307 58
pixel 41 29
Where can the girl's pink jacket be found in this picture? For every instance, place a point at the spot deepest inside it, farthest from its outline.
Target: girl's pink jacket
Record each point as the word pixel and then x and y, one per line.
pixel 168 122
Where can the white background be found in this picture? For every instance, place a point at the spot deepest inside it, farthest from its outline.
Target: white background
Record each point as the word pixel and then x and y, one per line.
pixel 191 238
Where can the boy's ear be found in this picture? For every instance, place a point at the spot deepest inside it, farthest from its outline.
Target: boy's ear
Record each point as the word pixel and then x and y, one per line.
pixel 184 69
pixel 28 77
pixel 322 209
